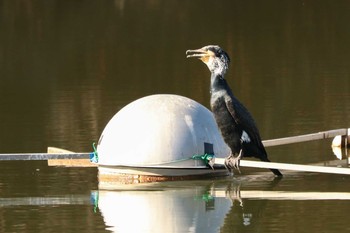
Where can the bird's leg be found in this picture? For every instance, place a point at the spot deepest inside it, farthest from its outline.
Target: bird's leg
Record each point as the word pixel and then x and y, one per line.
pixel 235 194
pixel 228 162
pixel 232 162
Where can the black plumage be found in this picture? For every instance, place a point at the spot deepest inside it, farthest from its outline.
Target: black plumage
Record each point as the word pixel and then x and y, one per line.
pixel 236 124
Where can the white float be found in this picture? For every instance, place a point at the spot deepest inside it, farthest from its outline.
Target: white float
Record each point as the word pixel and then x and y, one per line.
pixel 158 135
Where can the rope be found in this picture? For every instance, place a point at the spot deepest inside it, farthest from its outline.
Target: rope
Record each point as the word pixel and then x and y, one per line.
pixel 94 154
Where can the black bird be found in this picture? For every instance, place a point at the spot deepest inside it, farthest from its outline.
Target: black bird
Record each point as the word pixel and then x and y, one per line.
pixel 236 124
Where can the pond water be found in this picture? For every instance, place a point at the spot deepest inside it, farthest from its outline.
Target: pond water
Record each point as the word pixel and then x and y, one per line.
pixel 66 67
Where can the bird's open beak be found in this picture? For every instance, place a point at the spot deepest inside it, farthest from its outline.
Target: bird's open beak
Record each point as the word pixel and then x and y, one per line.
pixel 196 53
pixel 202 54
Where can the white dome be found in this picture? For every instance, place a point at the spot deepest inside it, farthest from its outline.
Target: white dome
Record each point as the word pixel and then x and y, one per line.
pixel 159 130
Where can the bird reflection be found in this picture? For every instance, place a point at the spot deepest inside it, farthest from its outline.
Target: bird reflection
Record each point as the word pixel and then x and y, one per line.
pixel 233 190
pixel 246 212
pixel 234 193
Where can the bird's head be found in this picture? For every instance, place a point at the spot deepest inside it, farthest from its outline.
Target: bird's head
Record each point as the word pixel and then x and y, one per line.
pixel 213 56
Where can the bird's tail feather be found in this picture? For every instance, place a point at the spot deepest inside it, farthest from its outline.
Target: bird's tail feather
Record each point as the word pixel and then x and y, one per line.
pixel 274 171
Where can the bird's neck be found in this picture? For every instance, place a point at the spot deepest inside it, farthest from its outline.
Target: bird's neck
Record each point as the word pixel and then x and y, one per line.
pixel 217 82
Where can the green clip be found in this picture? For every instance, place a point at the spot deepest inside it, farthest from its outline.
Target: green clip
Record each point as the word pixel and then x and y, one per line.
pixel 206 158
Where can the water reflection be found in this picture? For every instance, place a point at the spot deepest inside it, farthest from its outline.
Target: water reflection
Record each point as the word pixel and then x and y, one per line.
pixel 162 211
pixel 48 201
pixel 197 206
pixel 254 203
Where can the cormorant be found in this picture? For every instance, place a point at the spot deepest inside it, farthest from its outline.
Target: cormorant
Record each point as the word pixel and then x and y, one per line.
pixel 236 124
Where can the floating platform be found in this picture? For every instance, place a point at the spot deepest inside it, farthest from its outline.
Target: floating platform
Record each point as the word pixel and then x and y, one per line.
pixel 155 137
pixel 111 176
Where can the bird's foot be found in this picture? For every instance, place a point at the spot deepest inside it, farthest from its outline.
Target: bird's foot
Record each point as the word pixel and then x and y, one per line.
pixel 232 162
pixel 211 162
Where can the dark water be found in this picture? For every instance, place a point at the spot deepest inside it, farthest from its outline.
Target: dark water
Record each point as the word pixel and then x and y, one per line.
pixel 66 67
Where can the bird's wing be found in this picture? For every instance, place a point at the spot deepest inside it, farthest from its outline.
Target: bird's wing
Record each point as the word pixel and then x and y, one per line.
pixel 243 118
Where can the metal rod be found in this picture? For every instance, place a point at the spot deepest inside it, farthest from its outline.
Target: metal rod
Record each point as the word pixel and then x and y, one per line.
pixel 43 156
pixel 288 166
pixel 305 137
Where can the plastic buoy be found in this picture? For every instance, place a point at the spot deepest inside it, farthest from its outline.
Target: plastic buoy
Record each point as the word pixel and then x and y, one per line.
pixel 342 140
pixel 337 141
pixel 160 131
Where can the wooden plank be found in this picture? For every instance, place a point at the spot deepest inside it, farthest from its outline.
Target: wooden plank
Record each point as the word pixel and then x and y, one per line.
pixel 305 137
pixel 71 163
pixel 67 162
pixel 287 166
pixel 56 150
